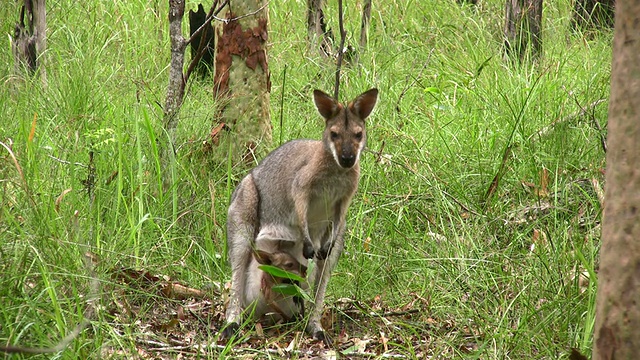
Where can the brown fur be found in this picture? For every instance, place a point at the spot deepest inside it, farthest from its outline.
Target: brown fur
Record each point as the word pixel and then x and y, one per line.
pixel 260 284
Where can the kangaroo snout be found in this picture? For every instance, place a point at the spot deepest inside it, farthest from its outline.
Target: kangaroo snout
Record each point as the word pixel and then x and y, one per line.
pixel 347 160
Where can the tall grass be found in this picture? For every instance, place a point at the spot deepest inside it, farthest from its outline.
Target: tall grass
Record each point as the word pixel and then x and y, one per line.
pixel 502 271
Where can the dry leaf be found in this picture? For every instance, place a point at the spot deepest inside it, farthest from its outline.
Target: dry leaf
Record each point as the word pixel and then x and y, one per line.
pixel 32 132
pixel 215 133
pixel 60 197
pixel 259 330
pixel 180 313
pixel 384 340
pixel 543 191
pixel 292 345
pixel 538 239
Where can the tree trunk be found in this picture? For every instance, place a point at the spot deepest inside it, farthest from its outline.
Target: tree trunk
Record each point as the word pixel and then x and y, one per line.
pixel 320 37
pixel 202 45
pixel 523 24
pixel 29 41
pixel 175 89
pixel 593 14
pixel 364 26
pixel 241 77
pixel 617 308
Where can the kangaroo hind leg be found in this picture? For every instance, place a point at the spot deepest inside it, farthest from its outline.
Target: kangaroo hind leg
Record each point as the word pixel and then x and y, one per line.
pixel 242 227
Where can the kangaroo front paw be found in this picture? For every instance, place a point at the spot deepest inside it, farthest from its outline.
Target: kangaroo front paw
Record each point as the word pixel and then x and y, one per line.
pixel 308 251
pixel 229 330
pixel 325 250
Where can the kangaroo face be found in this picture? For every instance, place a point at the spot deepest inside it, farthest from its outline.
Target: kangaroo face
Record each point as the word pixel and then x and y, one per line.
pixel 345 133
pixel 281 260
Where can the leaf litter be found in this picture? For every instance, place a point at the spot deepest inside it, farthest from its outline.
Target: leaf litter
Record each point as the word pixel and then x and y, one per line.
pixel 166 319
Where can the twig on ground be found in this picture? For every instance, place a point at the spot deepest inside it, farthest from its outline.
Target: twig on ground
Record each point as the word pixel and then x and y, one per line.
pixel 596 123
pixel 583 110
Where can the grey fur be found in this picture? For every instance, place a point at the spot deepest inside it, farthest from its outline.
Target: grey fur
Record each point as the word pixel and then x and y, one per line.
pixel 296 201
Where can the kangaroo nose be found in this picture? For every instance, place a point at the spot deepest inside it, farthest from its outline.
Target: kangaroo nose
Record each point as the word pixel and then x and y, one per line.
pixel 347 160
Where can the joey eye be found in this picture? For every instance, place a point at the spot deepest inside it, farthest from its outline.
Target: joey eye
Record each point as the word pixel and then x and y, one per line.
pixel 358 135
pixel 334 135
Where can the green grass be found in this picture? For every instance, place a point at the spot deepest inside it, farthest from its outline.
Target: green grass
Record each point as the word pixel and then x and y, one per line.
pixel 420 227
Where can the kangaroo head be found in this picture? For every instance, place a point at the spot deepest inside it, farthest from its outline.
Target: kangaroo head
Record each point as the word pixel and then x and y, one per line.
pixel 281 260
pixel 344 134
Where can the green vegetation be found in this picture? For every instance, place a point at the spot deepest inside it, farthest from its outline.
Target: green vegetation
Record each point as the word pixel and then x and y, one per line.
pixel 496 272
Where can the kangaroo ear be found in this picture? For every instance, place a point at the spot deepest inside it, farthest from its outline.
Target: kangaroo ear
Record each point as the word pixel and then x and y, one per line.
pixel 364 104
pixel 327 106
pixel 262 257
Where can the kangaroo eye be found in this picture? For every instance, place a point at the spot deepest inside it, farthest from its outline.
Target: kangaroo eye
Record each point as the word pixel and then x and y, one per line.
pixel 334 135
pixel 358 135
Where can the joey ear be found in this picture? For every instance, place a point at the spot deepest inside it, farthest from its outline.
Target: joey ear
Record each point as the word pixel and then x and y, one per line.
pixel 262 257
pixel 364 104
pixel 327 106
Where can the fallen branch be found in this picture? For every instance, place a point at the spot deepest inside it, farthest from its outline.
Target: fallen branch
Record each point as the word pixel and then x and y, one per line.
pixel 578 114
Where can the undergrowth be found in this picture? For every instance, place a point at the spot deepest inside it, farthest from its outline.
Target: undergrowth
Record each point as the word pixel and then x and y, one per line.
pixel 479 195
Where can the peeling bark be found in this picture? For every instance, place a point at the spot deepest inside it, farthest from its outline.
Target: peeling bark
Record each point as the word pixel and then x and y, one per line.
pixel 617 310
pixel 241 78
pixel 248 45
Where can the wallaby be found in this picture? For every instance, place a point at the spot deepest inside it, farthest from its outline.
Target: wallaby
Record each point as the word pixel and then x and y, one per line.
pixel 259 286
pixel 298 197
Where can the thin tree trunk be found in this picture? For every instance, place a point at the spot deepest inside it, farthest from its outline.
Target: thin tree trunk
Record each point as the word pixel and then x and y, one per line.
pixel 241 77
pixel 320 37
pixel 364 26
pixel 202 45
pixel 40 33
pixel 175 89
pixel 593 14
pixel 617 303
pixel 23 45
pixel 29 40
pixel 523 25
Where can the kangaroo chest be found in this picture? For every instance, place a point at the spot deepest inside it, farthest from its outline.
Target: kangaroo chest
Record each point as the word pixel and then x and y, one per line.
pixel 325 200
